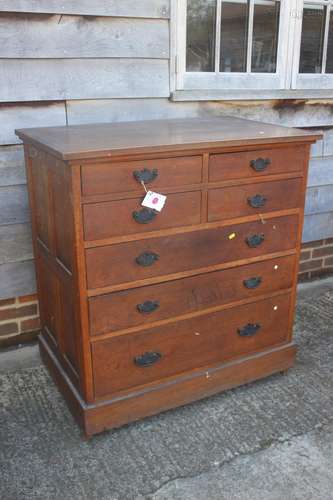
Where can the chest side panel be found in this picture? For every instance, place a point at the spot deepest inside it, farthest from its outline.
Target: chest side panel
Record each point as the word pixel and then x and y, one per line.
pixel 54 245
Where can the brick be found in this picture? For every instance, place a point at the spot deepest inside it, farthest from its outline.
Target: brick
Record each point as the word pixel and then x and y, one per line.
pixel 305 255
pixel 30 325
pixel 323 252
pixel 19 338
pixel 28 298
pixel 303 277
pixel 328 261
pixel 311 264
pixel 8 329
pixel 6 302
pixel 313 244
pixel 18 312
pixel 321 273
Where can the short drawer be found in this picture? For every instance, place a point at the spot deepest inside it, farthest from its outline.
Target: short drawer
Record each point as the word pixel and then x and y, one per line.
pixel 250 199
pixel 139 306
pixel 262 162
pixel 121 217
pixel 115 177
pixel 132 360
pixel 141 259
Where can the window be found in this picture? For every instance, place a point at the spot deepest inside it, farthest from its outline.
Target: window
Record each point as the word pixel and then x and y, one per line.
pixel 314 51
pixel 254 44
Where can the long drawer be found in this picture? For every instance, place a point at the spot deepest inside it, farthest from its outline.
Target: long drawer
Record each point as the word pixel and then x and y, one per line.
pixel 249 199
pixel 256 163
pixel 116 218
pixel 141 306
pixel 125 176
pixel 132 360
pixel 141 259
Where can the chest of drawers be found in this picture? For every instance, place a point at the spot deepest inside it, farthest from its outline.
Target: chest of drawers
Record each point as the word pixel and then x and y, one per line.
pixel 144 311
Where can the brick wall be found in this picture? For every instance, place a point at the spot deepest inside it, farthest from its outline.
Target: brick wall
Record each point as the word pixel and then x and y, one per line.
pixel 19 319
pixel 316 259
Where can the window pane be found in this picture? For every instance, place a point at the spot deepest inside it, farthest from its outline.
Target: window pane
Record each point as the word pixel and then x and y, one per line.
pixel 200 35
pixel 312 39
pixel 329 61
pixel 265 37
pixel 234 21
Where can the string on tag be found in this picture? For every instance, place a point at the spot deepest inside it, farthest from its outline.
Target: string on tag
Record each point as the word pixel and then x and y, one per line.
pixel 144 186
pixel 262 219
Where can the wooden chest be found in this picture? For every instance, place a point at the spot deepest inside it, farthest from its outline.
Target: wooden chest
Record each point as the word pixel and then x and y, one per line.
pixel 144 311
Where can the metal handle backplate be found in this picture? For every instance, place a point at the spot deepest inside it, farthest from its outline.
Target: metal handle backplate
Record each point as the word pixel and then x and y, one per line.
pixel 260 164
pixel 148 306
pixel 147 359
pixel 252 282
pixel 146 259
pixel 144 216
pixel 249 330
pixel 255 240
pixel 146 175
pixel 257 201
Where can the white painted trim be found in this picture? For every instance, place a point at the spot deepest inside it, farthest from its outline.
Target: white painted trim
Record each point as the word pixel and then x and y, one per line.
pixel 249 94
pixel 286 79
pixel 218 35
pixel 233 81
pixel 249 38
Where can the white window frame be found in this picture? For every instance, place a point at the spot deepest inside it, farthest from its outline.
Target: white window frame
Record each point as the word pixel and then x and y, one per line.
pixel 305 81
pixel 287 79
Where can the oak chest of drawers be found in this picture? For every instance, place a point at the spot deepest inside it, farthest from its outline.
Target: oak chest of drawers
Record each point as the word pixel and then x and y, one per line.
pixel 143 311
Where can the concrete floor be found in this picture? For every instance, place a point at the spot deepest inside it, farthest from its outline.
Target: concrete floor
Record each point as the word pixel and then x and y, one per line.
pixel 271 440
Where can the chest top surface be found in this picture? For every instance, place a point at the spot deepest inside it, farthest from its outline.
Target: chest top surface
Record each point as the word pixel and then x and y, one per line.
pixel 77 142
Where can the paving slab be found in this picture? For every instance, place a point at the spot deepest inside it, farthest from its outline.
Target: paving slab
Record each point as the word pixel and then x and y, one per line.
pixel 299 469
pixel 43 455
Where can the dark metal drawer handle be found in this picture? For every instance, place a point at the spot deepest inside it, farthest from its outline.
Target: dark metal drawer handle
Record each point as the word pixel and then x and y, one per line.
pixel 255 240
pixel 260 164
pixel 252 282
pixel 144 216
pixel 145 175
pixel 257 201
pixel 249 330
pixel 146 259
pixel 148 306
pixel 147 359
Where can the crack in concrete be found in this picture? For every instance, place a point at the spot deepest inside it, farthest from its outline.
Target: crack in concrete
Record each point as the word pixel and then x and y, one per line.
pixel 256 451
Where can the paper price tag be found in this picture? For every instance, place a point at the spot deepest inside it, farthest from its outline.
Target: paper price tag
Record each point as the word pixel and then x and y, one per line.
pixel 154 200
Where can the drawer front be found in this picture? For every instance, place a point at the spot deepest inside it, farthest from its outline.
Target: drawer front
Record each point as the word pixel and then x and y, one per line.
pixel 117 218
pixel 139 306
pixel 226 166
pixel 132 360
pixel 250 199
pixel 137 260
pixel 125 176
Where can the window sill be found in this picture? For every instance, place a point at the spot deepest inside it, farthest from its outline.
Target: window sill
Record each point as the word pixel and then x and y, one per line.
pixel 248 95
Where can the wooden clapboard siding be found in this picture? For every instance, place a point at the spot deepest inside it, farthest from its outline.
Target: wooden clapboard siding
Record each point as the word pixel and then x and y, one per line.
pixel 319 199
pixel 116 110
pixel 45 36
pixel 36 114
pixel 17 279
pixel 16 243
pixel 14 207
pixel 318 227
pixel 12 170
pixel 319 196
pixel 123 8
pixel 320 172
pixel 11 155
pixel 56 79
